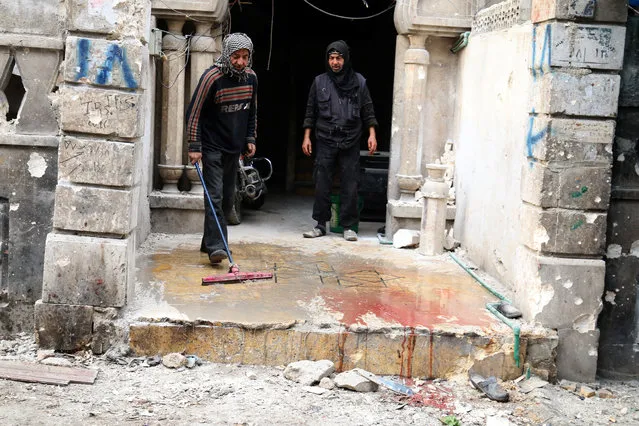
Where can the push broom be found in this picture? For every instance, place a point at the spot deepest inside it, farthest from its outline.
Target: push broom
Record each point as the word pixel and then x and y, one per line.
pixel 234 274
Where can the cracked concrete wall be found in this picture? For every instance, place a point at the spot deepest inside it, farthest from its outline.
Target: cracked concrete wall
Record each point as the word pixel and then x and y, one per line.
pixel 101 108
pixel 535 124
pixel 619 320
pixel 29 59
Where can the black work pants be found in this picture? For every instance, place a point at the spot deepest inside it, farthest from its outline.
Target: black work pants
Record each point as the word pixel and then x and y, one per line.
pixel 220 173
pixel 328 158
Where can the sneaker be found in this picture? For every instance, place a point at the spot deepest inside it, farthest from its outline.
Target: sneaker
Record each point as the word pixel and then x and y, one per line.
pixel 314 233
pixel 350 235
pixel 217 256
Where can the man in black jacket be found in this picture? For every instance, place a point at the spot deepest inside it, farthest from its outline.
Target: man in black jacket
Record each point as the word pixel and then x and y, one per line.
pixel 339 107
pixel 221 124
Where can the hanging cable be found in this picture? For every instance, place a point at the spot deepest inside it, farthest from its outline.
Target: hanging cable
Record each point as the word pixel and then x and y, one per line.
pixel 181 13
pixel 350 17
pixel 270 50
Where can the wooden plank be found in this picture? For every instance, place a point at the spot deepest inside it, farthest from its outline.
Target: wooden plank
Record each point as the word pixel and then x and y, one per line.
pixel 50 374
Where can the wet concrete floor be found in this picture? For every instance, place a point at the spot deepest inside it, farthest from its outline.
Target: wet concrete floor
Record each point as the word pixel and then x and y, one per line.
pixel 323 281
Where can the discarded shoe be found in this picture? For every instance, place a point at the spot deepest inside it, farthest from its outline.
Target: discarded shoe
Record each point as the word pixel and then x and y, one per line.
pixel 350 235
pixel 314 233
pixel 217 256
pixel 508 310
pixel 489 387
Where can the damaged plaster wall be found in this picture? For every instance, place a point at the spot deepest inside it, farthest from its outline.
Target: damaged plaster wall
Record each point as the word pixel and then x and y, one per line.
pixel 491 123
pixel 29 139
pixel 534 139
pixel 619 320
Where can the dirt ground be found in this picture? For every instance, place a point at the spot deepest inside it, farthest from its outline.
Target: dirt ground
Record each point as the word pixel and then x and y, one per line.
pixel 129 391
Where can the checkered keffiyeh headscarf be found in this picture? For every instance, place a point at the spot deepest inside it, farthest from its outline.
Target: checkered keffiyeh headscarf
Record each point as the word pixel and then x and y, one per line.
pixel 232 43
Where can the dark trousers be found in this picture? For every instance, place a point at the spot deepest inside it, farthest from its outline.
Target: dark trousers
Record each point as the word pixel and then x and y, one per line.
pixel 220 172
pixel 328 158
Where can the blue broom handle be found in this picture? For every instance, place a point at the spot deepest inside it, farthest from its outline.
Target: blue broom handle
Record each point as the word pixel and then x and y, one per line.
pixel 208 197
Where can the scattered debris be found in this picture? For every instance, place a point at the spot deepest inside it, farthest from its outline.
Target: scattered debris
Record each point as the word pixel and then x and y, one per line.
pixel 315 390
pixel 605 394
pixel 390 384
pixel 327 383
pixel 251 375
pixel 405 238
pixel 586 391
pixel 308 372
pixel 152 361
pixel 354 381
pixel 45 353
pixel 192 361
pixel 568 385
pixel 533 383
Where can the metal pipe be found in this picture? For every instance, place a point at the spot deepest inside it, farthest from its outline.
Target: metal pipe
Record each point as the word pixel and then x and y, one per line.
pixel 491 306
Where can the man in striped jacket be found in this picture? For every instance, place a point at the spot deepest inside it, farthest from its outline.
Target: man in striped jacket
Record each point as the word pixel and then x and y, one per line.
pixel 221 124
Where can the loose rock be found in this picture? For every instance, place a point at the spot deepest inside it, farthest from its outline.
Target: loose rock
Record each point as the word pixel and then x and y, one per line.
pixel 354 381
pixel 308 372
pixel 586 392
pixel 174 360
pixel 327 383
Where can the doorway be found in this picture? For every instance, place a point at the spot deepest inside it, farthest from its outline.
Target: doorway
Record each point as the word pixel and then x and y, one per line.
pixel 290 38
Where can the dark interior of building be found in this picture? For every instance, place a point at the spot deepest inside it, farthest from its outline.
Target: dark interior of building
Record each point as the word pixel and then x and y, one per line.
pixel 290 39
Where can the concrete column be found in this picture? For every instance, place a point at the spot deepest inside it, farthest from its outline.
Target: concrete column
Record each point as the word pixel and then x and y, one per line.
pixel 204 48
pixel 406 211
pixel 433 226
pixel 566 179
pixel 416 60
pixel 89 259
pixel 174 46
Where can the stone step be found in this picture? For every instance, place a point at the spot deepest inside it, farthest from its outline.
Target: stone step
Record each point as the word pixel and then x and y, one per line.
pixel 401 352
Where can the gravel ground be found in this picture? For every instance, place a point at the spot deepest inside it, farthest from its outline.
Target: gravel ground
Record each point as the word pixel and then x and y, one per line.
pixel 129 391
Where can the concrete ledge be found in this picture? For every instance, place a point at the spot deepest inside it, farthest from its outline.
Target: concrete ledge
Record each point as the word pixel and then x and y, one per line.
pixel 29 140
pixel 180 201
pixel 177 221
pixel 414 210
pixel 32 41
pixel 408 353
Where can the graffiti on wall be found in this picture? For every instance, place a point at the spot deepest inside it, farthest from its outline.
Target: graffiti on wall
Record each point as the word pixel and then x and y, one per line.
pixel 115 56
pixel 544 58
pixel 100 114
pixel 532 137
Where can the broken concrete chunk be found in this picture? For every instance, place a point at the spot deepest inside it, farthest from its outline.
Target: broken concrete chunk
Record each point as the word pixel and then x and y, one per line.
pixel 568 385
pixel 586 391
pixel 533 383
pixel 605 394
pixel 405 238
pixel 308 372
pixel 315 390
pixel 327 383
pixel 354 381
pixel 174 360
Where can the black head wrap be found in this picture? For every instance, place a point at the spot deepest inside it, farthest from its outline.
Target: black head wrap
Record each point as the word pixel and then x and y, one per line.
pixel 345 80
